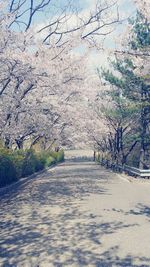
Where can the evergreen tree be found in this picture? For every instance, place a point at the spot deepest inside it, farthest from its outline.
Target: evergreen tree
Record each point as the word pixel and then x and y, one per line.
pixel 130 97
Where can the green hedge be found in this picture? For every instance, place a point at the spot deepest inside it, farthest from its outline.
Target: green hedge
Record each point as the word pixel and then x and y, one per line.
pixel 58 156
pixel 20 163
pixel 7 171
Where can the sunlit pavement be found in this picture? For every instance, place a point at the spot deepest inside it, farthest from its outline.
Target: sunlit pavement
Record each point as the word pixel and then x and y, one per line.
pixel 77 214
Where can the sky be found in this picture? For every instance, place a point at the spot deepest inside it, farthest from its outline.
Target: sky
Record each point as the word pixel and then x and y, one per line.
pixel 126 8
pixel 96 58
pixel 100 58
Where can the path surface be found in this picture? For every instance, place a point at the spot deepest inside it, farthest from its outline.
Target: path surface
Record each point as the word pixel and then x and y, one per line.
pixel 76 214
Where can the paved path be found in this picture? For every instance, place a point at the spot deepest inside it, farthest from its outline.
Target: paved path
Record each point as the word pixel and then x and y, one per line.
pixel 76 214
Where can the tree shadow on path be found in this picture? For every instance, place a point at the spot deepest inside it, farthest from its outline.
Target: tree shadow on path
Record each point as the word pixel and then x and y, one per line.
pixel 43 224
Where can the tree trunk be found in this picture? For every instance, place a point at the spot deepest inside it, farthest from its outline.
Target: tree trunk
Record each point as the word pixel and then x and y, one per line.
pixel 143 130
pixel 7 142
pixel 19 143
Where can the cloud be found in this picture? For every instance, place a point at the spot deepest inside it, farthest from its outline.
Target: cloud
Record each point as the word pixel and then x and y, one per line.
pixel 96 58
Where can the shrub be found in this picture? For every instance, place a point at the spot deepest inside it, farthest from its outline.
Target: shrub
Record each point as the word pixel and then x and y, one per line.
pixel 20 163
pixel 7 171
pixel 17 157
pixel 50 161
pixel 29 164
pixel 39 163
pixel 58 156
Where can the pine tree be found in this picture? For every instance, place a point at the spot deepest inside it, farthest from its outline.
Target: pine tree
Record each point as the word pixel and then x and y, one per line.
pixel 131 96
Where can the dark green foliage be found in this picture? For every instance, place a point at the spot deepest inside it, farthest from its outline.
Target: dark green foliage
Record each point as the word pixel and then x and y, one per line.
pixel 20 163
pixel 7 171
pixel 39 163
pixel 50 161
pixel 128 116
pixel 141 30
pixel 129 83
pixel 17 160
pixel 58 156
pixel 29 164
pixel 134 157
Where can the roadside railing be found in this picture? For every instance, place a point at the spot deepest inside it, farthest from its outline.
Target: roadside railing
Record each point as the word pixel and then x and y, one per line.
pixel 125 168
pixel 79 159
pixel 136 171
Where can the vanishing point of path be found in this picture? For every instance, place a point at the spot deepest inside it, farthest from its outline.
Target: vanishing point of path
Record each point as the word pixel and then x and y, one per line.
pixel 76 214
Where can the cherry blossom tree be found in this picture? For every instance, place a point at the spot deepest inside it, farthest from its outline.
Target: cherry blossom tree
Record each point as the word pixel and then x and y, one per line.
pixel 41 75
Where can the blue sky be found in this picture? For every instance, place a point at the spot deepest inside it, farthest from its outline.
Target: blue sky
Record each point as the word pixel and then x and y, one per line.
pixel 126 8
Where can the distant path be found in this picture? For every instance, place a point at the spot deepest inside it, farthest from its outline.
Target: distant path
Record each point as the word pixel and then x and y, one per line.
pixel 77 214
pixel 79 155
